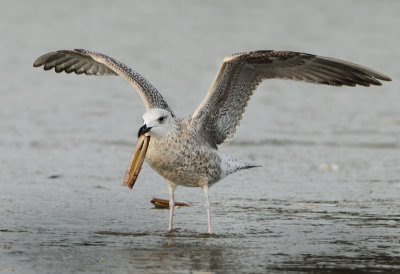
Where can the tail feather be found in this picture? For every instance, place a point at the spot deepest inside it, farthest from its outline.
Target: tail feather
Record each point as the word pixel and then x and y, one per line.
pixel 230 165
pixel 250 166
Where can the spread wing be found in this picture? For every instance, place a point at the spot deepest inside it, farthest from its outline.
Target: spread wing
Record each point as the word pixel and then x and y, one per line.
pixel 93 63
pixel 218 116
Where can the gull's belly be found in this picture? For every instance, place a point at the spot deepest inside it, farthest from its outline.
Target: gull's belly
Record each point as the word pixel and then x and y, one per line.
pixel 184 163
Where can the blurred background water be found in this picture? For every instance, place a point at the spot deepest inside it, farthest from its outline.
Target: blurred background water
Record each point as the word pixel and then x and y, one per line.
pixel 325 199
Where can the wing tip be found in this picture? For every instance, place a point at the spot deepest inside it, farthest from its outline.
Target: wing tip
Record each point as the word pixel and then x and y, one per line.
pixel 36 64
pixel 375 76
pixel 374 79
pixel 384 78
pixel 40 61
pixel 47 58
pixel 43 59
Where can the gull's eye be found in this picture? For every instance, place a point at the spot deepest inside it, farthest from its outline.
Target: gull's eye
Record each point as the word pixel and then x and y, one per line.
pixel 162 119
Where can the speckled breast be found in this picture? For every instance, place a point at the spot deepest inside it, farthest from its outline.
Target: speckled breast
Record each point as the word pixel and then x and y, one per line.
pixel 183 162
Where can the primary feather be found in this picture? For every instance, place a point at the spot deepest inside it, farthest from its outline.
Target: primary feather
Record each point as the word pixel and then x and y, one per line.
pixel 218 116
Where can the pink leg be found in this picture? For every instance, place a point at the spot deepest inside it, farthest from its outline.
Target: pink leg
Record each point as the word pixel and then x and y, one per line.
pixel 208 207
pixel 171 188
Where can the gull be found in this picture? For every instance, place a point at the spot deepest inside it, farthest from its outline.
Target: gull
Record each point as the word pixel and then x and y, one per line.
pixel 185 150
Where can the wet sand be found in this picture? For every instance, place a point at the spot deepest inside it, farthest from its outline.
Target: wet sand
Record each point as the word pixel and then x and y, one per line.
pixel 326 198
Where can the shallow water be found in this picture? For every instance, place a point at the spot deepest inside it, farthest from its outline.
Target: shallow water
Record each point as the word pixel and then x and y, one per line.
pixel 325 199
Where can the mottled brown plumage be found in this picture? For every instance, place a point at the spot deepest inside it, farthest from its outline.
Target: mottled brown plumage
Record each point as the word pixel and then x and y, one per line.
pixel 184 151
pixel 92 63
pixel 179 158
pixel 219 114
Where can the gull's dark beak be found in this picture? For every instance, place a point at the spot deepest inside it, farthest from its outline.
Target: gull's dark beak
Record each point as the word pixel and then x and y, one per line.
pixel 144 129
pixel 137 159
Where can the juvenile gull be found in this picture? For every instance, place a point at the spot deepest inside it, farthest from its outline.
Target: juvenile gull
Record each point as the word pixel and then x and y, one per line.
pixel 185 151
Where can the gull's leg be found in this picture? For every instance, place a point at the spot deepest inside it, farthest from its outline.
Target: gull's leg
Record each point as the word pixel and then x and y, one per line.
pixel 208 207
pixel 171 188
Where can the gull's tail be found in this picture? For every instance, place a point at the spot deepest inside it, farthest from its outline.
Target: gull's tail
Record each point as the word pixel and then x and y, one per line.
pixel 230 165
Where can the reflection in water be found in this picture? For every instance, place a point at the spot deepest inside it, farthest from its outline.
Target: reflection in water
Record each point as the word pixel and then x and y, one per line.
pixel 190 251
pixel 180 254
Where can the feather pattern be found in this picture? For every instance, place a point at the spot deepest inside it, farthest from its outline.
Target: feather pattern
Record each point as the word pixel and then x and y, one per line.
pixel 92 63
pixel 218 116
